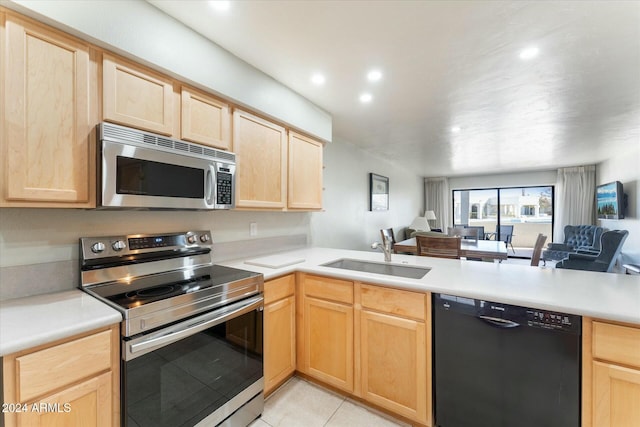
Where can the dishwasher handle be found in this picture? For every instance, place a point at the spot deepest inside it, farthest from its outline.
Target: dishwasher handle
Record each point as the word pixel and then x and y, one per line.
pixel 498 322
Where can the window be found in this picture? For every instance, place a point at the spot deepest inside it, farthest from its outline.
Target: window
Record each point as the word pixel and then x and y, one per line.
pixel 528 209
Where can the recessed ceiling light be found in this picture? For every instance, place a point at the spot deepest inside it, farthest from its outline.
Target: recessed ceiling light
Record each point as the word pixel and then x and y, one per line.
pixel 317 79
pixel 456 129
pixel 365 97
pixel 529 53
pixel 374 75
pixel 220 5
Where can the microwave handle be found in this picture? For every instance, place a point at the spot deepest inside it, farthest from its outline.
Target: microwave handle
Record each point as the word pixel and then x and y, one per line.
pixel 210 186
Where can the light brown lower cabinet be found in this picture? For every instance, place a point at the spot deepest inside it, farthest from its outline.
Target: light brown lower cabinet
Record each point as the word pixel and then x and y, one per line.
pixel 329 347
pixel 70 383
pixel 370 341
pixel 279 331
pixel 611 374
pixel 325 339
pixel 393 352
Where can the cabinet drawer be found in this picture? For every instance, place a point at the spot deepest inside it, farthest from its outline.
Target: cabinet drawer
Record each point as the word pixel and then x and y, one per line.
pixel 394 301
pixel 620 344
pixel 51 368
pixel 329 289
pixel 279 288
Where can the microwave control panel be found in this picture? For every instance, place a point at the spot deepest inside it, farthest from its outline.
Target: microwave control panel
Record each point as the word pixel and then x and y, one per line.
pixel 224 186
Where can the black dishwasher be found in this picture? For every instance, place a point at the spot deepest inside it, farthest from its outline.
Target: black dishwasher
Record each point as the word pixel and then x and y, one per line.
pixel 499 365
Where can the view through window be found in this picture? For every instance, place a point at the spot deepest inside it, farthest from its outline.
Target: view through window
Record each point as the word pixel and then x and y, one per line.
pixel 528 209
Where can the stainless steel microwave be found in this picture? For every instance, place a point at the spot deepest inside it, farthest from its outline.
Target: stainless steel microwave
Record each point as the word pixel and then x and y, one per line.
pixel 142 170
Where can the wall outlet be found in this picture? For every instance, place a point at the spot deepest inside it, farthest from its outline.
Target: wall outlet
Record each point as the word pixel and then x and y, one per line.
pixel 253 229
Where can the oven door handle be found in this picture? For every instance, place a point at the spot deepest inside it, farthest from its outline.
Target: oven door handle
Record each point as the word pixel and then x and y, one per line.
pixel 221 316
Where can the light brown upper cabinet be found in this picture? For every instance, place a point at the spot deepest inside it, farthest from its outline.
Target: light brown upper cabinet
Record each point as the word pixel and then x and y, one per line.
pixel 137 97
pixel 261 149
pixel 205 119
pixel 305 173
pixel 50 110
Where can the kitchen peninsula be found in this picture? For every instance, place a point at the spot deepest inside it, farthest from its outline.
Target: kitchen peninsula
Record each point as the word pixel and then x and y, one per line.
pixel 352 326
pixel 607 296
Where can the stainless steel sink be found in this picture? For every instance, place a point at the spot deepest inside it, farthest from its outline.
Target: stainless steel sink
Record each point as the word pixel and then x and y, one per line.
pixel 407 271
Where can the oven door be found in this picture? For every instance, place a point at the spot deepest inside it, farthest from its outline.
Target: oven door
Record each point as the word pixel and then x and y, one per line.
pixel 196 372
pixel 139 177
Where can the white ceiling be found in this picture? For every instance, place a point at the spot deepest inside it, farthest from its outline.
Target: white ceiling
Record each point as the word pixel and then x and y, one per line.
pixel 446 64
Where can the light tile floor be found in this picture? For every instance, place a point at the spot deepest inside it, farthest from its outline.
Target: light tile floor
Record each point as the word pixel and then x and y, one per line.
pixel 299 403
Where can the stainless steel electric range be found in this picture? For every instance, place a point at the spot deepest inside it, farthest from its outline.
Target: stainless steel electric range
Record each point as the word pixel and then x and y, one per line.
pixel 192 331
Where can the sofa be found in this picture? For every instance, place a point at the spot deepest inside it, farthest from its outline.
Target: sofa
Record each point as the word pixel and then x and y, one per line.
pixel 610 247
pixel 583 238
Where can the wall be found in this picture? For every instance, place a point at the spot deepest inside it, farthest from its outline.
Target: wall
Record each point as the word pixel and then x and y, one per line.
pixel 141 32
pixel 32 236
pixel 523 179
pixel 39 247
pixel 625 167
pixel 346 221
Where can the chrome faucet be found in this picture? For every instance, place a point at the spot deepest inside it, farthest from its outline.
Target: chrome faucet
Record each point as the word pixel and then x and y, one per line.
pixel 386 248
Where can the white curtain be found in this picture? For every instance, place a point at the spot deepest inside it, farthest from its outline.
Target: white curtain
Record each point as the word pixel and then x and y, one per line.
pixel 438 200
pixel 575 198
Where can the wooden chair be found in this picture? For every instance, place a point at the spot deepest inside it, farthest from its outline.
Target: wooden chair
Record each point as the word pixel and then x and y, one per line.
pixel 465 233
pixel 439 247
pixel 537 249
pixel 387 234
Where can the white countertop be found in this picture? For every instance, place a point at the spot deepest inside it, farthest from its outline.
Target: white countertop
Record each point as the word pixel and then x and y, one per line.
pixel 32 321
pixel 601 295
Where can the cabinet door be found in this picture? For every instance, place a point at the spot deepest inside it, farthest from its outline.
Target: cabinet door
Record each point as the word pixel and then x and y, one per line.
pixel 328 352
pixel 305 173
pixel 261 149
pixel 279 342
pixel 616 394
pixel 393 363
pixel 87 404
pixel 205 120
pixel 48 108
pixel 136 97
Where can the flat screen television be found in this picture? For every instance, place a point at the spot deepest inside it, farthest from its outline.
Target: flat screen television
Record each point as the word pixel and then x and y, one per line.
pixel 610 201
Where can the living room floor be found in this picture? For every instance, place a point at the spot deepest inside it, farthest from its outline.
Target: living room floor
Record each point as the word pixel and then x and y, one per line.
pixel 301 403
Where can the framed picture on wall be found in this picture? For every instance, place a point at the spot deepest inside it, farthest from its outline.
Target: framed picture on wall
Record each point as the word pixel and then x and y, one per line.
pixel 378 192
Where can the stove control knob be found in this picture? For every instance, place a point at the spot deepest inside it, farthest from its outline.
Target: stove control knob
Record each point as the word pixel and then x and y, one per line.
pixel 191 238
pixel 204 238
pixel 118 245
pixel 97 247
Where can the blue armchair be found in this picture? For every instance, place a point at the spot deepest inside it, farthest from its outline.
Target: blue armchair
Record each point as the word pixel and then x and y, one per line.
pixel 583 238
pixel 610 246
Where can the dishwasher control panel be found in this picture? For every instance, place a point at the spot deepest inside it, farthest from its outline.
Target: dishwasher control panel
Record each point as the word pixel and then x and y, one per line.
pixel 550 320
pixel 509 316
